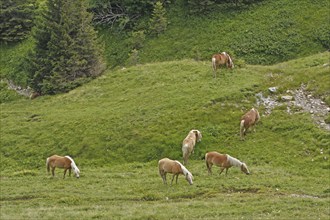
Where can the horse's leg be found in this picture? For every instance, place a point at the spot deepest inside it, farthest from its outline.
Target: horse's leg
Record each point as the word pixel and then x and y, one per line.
pixel 53 171
pixel 172 179
pixel 209 166
pixel 176 181
pixel 164 179
pixel 163 175
pixel 185 159
pixel 226 171
pixel 64 173
pixel 221 170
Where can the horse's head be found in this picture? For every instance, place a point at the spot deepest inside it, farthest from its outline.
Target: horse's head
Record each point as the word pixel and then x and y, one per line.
pixel 198 135
pixel 189 178
pixel 244 169
pixel 76 171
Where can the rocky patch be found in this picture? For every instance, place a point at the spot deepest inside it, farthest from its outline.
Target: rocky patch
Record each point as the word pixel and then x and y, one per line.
pixel 298 99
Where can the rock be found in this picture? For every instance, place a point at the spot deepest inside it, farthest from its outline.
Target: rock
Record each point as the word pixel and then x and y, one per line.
pixel 272 89
pixel 286 98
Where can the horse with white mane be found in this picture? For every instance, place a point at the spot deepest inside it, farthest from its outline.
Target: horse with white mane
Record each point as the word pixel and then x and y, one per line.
pixel 188 144
pixel 221 59
pixel 224 161
pixel 66 163
pixel 166 165
pixel 248 120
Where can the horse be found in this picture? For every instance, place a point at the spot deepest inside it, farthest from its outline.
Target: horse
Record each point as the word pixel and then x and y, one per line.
pixel 65 163
pixel 166 165
pixel 188 144
pixel 221 59
pixel 224 161
pixel 248 120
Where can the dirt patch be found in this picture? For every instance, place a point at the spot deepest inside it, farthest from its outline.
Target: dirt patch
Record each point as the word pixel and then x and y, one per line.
pixel 299 100
pixel 242 190
pixel 304 196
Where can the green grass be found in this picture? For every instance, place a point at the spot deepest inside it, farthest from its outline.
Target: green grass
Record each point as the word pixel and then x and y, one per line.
pixel 135 191
pixel 118 126
pixel 265 33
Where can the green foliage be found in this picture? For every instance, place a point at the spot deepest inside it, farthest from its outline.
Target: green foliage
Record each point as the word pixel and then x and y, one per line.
pixel 7 95
pixel 137 39
pixel 133 57
pixel 16 19
pixel 265 33
pixel 158 20
pixel 66 53
pixel 120 13
pixel 198 6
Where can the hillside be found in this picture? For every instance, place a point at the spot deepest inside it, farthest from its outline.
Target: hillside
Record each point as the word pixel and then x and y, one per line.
pixel 118 126
pixel 144 112
pixel 267 32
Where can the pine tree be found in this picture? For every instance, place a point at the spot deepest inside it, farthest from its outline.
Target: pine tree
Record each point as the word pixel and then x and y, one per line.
pixel 16 19
pixel 158 21
pixel 66 52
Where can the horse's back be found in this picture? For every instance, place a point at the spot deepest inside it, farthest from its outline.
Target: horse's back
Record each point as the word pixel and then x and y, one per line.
pixel 168 165
pixel 59 161
pixel 251 117
pixel 216 158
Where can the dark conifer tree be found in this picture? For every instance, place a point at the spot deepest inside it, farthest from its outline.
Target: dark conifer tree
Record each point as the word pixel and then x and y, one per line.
pixel 16 19
pixel 66 51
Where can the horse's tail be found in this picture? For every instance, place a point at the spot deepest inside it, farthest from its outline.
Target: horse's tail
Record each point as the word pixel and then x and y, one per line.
pixel 207 164
pixel 241 128
pixel 230 61
pixel 47 165
pixel 214 66
pixel 185 153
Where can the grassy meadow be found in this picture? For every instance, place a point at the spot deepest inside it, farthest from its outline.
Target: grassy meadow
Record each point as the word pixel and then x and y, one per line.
pixel 118 126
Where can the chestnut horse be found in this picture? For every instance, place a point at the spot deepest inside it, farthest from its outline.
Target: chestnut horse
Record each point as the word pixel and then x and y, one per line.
pixel 248 120
pixel 224 161
pixel 188 144
pixel 166 165
pixel 65 163
pixel 221 59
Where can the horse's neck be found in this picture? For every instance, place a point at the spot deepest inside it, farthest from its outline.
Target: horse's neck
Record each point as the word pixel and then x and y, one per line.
pixel 183 168
pixel 233 161
pixel 73 164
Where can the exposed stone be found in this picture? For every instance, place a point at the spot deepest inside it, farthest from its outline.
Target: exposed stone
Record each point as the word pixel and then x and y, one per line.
pixel 272 89
pixel 300 98
pixel 286 98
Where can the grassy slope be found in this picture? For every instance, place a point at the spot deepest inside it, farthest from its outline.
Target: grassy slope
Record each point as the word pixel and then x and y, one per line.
pixel 145 111
pixel 140 114
pixel 270 32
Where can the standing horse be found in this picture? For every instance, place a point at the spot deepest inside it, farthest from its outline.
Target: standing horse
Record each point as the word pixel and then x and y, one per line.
pixel 221 59
pixel 65 163
pixel 224 161
pixel 188 144
pixel 166 165
pixel 248 120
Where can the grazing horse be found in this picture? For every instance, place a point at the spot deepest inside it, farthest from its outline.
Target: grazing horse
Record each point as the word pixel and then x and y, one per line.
pixel 188 144
pixel 166 165
pixel 65 163
pixel 248 120
pixel 224 161
pixel 221 59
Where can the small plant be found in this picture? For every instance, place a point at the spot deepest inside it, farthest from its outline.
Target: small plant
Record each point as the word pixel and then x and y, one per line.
pixel 137 39
pixel 158 21
pixel 133 57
